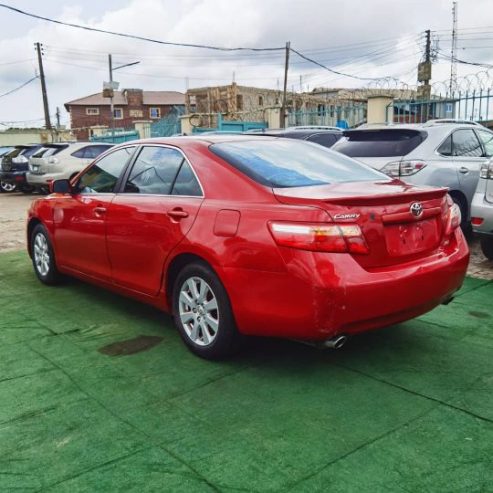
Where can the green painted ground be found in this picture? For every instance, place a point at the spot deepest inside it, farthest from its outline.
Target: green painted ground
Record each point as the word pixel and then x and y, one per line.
pixel 405 409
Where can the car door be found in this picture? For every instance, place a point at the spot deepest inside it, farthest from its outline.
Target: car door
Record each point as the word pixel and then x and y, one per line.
pixel 486 139
pixel 153 212
pixel 468 157
pixel 80 219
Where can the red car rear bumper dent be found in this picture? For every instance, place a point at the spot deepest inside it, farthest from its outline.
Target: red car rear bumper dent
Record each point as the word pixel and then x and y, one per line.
pixel 336 295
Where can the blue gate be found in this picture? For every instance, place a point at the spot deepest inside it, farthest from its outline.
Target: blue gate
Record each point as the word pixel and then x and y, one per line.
pixel 170 124
pixel 118 136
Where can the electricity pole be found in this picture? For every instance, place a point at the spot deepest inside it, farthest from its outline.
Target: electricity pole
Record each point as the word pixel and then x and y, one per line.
pixel 112 109
pixel 284 102
pixel 43 86
pixel 453 51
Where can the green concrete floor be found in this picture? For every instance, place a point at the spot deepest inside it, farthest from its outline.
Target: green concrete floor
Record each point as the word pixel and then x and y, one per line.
pixel 404 409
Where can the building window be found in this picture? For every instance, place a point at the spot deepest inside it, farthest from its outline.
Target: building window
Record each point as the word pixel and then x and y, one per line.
pixel 118 114
pixel 239 102
pixel 92 111
pixel 260 100
pixel 155 112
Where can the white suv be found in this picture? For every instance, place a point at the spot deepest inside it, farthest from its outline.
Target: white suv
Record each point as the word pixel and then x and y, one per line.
pixel 444 153
pixel 63 160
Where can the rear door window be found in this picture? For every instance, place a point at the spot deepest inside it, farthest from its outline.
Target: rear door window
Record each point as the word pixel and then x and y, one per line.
pixel 465 143
pixel 379 143
pixel 445 148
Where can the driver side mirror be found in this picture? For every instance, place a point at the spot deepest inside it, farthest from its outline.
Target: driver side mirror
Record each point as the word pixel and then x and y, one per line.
pixel 61 186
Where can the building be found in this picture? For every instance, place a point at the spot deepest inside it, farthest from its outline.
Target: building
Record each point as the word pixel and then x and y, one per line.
pixel 93 113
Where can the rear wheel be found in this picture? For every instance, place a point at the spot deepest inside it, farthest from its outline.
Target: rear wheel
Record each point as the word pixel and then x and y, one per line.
pixel 487 247
pixel 7 187
pixel 43 257
pixel 465 224
pixel 203 314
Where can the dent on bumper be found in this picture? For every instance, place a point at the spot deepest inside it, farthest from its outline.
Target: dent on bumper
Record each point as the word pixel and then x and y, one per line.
pixel 347 300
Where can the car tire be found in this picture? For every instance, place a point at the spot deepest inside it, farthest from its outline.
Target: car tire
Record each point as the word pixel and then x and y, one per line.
pixel 465 225
pixel 202 313
pixel 6 187
pixel 487 247
pixel 43 256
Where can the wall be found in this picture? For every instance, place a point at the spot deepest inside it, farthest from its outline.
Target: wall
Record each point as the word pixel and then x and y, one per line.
pixel 32 136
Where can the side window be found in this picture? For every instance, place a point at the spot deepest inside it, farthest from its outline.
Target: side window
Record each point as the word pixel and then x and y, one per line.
pixel 465 143
pixel 79 153
pixel 92 152
pixel 186 183
pixel 487 140
pixel 446 148
pixel 102 176
pixel 154 171
pixel 326 140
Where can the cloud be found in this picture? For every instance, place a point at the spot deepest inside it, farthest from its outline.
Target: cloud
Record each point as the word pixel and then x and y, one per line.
pixel 370 38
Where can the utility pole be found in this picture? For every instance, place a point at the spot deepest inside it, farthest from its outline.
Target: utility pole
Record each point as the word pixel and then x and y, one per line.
pixel 57 117
pixel 43 86
pixel 112 109
pixel 424 76
pixel 284 95
pixel 453 51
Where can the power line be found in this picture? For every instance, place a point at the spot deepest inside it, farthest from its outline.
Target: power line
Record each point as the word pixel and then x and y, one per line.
pixel 133 36
pixel 19 87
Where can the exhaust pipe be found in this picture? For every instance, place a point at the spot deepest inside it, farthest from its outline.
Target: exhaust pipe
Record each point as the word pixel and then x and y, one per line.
pixel 335 342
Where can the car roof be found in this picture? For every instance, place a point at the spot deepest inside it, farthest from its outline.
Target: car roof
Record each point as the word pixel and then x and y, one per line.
pixel 187 140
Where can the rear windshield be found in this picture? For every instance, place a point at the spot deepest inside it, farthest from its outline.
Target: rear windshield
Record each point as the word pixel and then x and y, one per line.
pixel 292 163
pixel 29 151
pixel 379 143
pixel 49 151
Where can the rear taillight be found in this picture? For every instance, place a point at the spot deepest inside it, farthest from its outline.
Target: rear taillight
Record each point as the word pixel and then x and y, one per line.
pixel 403 168
pixel 486 171
pixel 477 221
pixel 319 237
pixel 454 219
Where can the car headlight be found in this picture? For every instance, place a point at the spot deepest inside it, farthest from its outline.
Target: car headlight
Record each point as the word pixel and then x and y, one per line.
pixel 397 169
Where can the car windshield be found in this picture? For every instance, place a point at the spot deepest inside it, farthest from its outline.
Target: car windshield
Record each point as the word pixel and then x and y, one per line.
pixel 292 163
pixel 30 151
pixel 379 143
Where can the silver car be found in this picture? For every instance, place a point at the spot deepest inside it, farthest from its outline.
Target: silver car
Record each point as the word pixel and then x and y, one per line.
pixel 440 153
pixel 482 209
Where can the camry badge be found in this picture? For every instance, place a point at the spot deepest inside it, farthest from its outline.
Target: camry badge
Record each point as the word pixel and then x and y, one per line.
pixel 416 209
pixel 346 217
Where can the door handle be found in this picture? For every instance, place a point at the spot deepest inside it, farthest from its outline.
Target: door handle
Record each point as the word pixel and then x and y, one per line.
pixel 463 170
pixel 177 213
pixel 99 210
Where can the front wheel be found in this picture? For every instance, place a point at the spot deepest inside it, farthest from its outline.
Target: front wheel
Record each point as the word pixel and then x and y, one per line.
pixel 43 257
pixel 203 314
pixel 487 247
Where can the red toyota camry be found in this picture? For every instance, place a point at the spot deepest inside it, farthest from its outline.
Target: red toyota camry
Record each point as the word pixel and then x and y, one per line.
pixel 247 235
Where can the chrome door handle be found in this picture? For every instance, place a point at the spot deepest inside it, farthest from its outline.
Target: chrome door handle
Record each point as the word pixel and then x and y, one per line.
pixel 177 213
pixel 99 210
pixel 463 170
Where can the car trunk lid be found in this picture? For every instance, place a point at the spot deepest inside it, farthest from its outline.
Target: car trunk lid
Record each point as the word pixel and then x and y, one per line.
pixel 399 222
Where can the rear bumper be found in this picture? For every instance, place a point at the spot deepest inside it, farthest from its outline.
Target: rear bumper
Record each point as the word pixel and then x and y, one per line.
pixel 16 177
pixel 328 294
pixel 481 208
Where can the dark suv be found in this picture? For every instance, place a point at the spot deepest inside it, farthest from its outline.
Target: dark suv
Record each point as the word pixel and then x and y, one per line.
pixel 14 166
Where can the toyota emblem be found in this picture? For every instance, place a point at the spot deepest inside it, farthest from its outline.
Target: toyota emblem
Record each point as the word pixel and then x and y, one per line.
pixel 416 209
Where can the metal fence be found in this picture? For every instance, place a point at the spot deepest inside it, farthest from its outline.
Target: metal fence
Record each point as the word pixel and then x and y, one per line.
pixel 344 116
pixel 472 106
pixel 169 125
pixel 118 136
pixel 227 125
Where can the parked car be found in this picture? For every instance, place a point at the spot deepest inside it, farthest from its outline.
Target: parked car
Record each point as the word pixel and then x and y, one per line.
pixel 14 168
pixel 324 137
pixel 443 153
pixel 248 235
pixel 61 160
pixel 482 207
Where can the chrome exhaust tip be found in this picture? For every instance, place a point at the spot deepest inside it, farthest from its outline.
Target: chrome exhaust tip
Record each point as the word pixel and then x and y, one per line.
pixel 335 342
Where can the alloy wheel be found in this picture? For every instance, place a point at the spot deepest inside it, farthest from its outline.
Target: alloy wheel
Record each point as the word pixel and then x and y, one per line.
pixel 198 311
pixel 41 254
pixel 7 187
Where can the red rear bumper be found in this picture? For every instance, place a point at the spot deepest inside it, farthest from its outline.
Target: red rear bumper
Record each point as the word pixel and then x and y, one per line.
pixel 322 295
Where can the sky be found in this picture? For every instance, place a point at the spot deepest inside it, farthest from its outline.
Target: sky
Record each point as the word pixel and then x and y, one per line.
pixel 362 38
